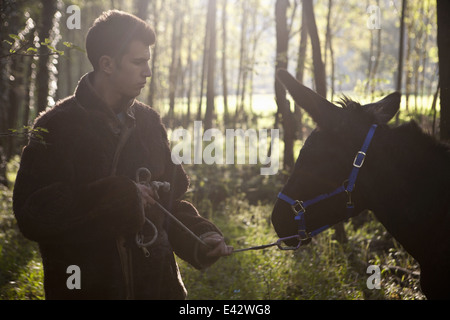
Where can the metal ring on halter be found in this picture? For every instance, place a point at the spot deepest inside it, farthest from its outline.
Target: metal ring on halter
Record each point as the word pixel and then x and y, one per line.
pixel 140 238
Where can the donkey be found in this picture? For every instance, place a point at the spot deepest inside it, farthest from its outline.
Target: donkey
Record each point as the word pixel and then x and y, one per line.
pixel 354 161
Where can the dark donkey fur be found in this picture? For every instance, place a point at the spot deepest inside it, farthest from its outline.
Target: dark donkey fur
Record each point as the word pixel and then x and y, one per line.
pixel 405 179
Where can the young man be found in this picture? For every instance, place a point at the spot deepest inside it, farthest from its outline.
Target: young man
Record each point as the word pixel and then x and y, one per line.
pixel 77 192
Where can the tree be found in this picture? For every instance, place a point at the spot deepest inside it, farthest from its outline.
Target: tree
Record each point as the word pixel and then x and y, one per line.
pixel 319 67
pixel 152 87
pixel 175 65
pixel 242 59
pixel 443 20
pixel 210 93
pixel 43 77
pixel 224 63
pixel 398 86
pixel 299 75
pixel 329 47
pixel 284 109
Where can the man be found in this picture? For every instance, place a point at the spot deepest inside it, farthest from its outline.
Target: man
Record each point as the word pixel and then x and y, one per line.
pixel 77 192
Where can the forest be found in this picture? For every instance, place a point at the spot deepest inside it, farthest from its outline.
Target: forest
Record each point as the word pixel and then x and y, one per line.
pixel 214 62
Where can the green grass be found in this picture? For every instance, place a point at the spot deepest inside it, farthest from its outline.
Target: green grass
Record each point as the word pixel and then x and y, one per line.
pixel 21 274
pixel 325 269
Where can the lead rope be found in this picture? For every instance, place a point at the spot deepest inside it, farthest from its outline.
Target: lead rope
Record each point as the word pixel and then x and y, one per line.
pixel 156 185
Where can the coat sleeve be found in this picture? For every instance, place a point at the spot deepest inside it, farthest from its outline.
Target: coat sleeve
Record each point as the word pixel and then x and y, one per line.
pixel 184 244
pixel 50 208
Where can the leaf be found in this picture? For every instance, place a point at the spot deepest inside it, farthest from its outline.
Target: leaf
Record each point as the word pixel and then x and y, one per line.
pixel 32 50
pixel 14 36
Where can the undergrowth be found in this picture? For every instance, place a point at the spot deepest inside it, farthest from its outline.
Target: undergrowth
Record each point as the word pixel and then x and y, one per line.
pixel 239 201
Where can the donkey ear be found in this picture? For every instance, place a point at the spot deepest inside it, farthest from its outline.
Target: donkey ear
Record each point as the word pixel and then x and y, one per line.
pixel 385 109
pixel 323 112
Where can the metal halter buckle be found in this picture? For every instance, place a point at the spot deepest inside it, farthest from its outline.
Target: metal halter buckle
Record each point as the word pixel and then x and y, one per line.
pixel 298 204
pixel 361 161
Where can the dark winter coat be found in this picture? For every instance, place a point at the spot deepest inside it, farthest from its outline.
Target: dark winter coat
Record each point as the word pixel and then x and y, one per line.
pixel 66 200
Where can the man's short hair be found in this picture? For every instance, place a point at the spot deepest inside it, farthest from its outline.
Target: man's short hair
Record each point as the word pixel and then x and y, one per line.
pixel 111 34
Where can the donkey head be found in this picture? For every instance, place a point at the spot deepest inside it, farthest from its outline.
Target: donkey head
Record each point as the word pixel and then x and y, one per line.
pixel 327 157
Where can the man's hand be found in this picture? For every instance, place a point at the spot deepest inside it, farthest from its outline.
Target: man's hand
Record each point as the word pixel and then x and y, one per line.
pixel 218 245
pixel 147 194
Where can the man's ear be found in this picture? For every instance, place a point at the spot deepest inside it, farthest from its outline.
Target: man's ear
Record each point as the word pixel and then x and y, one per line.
pixel 106 64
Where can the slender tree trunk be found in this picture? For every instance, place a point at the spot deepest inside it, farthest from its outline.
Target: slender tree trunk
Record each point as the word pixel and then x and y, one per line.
pixel 43 77
pixel 174 66
pixel 443 18
pixel 301 68
pixel 408 69
pixel 224 63
pixel 302 48
pixel 242 53
pixel 319 68
pixel 401 48
pixel 329 47
pixel 280 92
pixel 204 68
pixel 152 86
pixel 210 94
pixel 190 67
pixel 141 9
pixel 376 64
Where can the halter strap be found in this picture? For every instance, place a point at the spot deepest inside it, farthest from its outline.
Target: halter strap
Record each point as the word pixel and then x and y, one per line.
pixel 299 207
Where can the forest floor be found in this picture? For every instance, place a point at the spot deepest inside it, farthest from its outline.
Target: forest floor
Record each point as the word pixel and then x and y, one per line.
pixel 240 203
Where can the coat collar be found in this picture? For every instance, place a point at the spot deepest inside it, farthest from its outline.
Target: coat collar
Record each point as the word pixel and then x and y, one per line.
pixel 87 97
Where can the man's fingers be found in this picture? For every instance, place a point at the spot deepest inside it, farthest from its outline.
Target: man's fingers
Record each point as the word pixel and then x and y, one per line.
pixel 147 194
pixel 219 246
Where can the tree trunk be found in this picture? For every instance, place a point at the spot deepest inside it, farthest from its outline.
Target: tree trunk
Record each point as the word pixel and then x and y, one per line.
pixel 443 18
pixel 210 92
pixel 42 77
pixel 242 54
pixel 204 68
pixel 329 47
pixel 301 68
pixel 141 9
pixel 174 66
pixel 401 47
pixel 319 68
pixel 224 64
pixel 190 72
pixel 152 87
pixel 280 92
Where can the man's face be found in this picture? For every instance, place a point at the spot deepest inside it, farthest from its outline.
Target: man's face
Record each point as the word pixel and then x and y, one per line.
pixel 130 74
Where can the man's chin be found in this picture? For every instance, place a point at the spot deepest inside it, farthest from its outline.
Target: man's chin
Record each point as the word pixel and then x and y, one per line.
pixel 132 94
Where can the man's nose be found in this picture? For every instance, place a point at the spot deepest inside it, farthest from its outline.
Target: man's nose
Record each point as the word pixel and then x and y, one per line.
pixel 147 72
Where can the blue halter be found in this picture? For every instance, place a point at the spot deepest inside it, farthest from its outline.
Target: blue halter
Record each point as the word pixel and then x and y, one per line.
pixel 299 207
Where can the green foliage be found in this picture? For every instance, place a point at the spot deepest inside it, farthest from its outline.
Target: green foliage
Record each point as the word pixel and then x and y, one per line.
pixel 324 269
pixel 21 275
